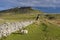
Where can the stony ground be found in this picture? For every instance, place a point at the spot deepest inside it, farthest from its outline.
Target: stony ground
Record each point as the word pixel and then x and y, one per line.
pixel 39 30
pixel 8 28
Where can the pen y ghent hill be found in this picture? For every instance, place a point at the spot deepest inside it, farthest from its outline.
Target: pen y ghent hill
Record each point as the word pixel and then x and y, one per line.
pixel 44 26
pixel 18 14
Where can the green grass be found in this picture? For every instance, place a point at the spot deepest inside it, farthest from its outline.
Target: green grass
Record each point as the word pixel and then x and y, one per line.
pixel 40 31
pixel 17 17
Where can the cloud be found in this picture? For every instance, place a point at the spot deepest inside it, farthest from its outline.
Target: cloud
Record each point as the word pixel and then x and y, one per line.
pixel 33 3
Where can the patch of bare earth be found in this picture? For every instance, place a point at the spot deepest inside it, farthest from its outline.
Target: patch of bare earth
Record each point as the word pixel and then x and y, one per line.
pixel 55 22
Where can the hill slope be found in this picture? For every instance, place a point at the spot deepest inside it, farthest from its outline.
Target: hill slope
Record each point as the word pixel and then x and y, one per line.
pixel 41 31
pixel 19 10
pixel 18 14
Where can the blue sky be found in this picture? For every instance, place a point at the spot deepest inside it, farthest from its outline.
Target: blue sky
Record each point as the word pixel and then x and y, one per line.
pixel 6 4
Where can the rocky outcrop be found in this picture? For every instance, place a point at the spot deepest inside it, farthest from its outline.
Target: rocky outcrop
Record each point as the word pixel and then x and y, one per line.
pixel 7 28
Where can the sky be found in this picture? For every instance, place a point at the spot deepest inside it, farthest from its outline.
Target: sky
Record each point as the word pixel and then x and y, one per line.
pixel 6 4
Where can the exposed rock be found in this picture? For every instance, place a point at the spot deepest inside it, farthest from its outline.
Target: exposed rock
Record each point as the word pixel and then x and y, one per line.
pixel 24 31
pixel 7 28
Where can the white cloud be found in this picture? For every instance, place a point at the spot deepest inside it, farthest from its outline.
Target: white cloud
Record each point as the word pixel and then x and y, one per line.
pixel 34 3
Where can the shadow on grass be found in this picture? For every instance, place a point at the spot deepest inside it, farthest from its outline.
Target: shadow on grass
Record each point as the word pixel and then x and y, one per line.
pixel 45 30
pixel 44 27
pixel 3 38
pixel 18 33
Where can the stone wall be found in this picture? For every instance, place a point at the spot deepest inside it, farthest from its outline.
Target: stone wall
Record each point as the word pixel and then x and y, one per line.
pixel 7 28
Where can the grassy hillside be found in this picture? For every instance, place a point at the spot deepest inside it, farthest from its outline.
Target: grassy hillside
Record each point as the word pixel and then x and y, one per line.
pixel 46 28
pixel 18 14
pixel 21 10
pixel 53 18
pixel 40 30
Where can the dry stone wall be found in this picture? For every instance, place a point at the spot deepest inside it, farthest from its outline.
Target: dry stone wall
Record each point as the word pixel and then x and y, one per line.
pixel 7 28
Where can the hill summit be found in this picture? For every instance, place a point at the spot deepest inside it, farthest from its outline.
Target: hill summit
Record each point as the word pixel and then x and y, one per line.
pixel 18 10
